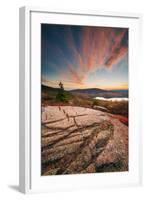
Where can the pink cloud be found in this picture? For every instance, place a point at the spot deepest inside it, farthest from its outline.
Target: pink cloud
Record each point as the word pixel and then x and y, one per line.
pixel 99 47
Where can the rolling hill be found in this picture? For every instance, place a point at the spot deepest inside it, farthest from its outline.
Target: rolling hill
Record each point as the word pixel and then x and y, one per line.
pixel 94 92
pixel 50 92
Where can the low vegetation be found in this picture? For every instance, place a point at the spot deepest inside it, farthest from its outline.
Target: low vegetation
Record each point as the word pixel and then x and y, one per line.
pixel 59 96
pixel 114 107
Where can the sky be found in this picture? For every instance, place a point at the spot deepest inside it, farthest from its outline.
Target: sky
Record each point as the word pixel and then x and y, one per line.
pixel 84 57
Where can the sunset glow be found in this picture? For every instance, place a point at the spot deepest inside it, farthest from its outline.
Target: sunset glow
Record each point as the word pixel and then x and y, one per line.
pixel 84 57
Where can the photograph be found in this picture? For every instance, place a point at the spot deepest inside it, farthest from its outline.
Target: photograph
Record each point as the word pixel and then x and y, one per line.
pixel 84 99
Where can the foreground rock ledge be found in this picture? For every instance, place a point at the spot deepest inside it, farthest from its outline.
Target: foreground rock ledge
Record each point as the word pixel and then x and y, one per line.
pixel 82 140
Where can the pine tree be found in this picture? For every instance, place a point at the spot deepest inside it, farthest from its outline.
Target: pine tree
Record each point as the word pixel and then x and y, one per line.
pixel 62 95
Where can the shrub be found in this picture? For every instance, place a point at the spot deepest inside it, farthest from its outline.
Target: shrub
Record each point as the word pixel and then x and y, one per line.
pixel 62 96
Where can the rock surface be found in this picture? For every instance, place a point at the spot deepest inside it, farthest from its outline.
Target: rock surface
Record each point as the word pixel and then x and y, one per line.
pixel 82 140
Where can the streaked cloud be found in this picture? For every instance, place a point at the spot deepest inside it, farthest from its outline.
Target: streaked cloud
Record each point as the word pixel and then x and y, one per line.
pixel 97 47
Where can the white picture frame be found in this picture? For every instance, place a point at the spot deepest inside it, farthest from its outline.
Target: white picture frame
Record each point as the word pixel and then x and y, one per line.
pixel 29 160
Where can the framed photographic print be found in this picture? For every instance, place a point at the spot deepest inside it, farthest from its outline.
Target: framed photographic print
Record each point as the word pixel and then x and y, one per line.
pixel 79 113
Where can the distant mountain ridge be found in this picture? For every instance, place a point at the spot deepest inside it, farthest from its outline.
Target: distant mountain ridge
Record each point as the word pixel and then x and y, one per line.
pixel 94 92
pixel 90 92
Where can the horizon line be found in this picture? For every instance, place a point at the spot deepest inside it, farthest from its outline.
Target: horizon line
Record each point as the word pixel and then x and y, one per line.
pixel 108 89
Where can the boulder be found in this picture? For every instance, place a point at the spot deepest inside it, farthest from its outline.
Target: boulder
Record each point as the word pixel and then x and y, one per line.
pixel 81 140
